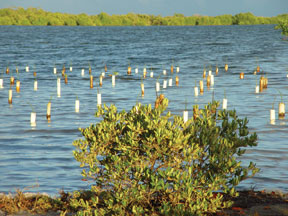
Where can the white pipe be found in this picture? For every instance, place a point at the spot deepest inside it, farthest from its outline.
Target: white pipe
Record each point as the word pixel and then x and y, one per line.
pixel 185 116
pixel 77 105
pixel 33 118
pixel 272 115
pixel 224 105
pixel 35 85
pixel 170 82
pixel 99 101
pixel 164 84
pixel 257 89
pixel 157 86
pixel 113 80
pixel 212 80
pixel 196 91
pixel 58 87
pixel 1 83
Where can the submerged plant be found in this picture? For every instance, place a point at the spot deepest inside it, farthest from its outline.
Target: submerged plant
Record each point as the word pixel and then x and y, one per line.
pixel 32 107
pixel 274 102
pixel 281 95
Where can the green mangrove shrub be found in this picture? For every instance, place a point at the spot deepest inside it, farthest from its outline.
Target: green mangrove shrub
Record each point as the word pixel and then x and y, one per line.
pixel 283 25
pixel 148 161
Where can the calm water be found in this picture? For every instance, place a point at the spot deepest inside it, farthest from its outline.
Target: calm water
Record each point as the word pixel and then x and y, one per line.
pixel 42 155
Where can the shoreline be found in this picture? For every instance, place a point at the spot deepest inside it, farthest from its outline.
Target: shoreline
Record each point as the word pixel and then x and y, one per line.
pixel 249 202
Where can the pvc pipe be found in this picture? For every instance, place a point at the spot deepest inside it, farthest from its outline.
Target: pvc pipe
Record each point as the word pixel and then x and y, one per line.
pixel 164 84
pixel 257 89
pixel 91 81
pixel 226 67
pixel 35 85
pixel 212 80
pixel 100 80
pixel 48 114
pixel 272 115
pixel 177 80
pixel 10 93
pixel 224 104
pixel 196 92
pixel 113 80
pixel 157 86
pixel 281 112
pixel 129 70
pixel 185 116
pixel 77 105
pixel 12 80
pixel 170 82
pixel 99 101
pixel 33 118
pixel 18 86
pixel 58 87
pixel 142 89
pixel 201 86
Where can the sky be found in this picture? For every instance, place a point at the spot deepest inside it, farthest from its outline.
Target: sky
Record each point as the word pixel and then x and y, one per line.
pixel 265 8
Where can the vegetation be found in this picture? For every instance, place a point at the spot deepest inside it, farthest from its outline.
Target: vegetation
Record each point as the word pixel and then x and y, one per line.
pixel 33 16
pixel 147 161
pixel 248 203
pixel 283 25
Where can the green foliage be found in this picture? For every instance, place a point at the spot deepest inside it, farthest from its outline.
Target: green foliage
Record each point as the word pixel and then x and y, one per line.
pixel 147 161
pixel 283 25
pixel 34 16
pixel 84 20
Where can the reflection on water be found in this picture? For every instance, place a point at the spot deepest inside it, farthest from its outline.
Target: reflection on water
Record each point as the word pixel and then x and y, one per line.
pixel 42 153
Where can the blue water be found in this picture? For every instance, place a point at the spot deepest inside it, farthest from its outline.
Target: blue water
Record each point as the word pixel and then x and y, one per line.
pixel 40 158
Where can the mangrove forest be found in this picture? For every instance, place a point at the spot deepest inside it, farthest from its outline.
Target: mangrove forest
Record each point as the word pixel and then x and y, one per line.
pixel 39 17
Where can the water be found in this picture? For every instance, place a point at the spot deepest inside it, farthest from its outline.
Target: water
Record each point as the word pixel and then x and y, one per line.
pixel 41 157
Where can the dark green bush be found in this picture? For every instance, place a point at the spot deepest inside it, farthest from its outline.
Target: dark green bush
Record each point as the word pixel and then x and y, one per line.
pixel 283 25
pixel 149 162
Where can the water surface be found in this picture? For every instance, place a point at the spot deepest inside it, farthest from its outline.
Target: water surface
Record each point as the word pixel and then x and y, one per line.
pixel 42 155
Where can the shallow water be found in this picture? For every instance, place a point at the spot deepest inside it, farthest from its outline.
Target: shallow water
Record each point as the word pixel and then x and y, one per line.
pixel 42 156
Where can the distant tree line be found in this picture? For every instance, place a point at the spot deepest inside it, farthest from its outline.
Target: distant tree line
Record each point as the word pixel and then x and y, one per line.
pixel 35 16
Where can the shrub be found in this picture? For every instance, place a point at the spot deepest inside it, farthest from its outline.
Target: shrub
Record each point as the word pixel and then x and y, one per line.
pixel 148 161
pixel 283 25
